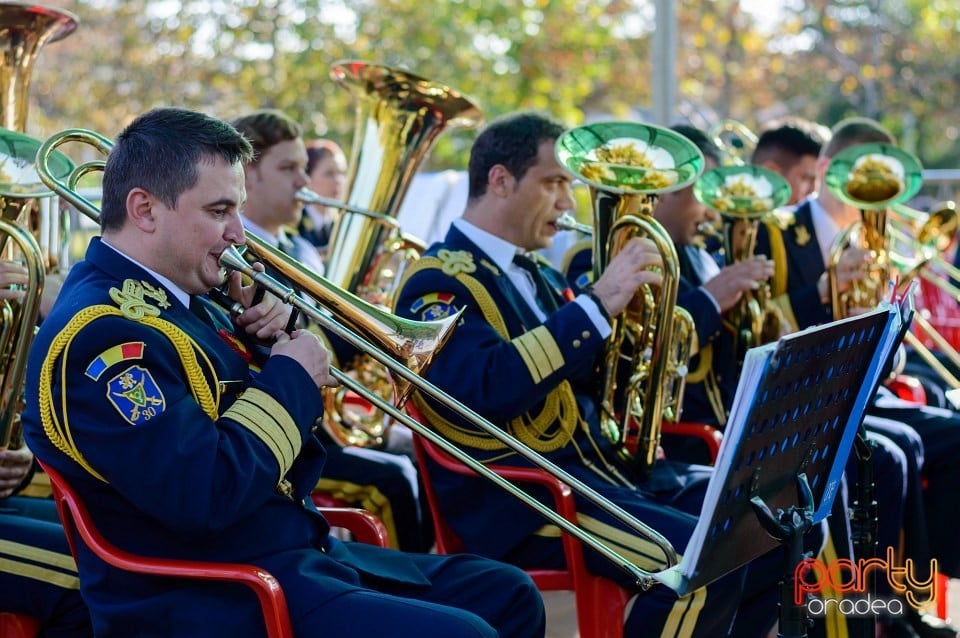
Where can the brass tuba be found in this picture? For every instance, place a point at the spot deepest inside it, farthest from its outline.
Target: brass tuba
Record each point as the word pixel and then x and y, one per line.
pixel 398 118
pixel 644 364
pixel 744 195
pixel 28 210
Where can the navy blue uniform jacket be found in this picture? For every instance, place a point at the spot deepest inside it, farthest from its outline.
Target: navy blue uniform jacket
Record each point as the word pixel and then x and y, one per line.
pixel 178 452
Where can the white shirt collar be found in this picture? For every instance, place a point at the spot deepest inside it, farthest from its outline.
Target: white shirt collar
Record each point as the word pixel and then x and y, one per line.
pixel 824 228
pixel 498 249
pixel 181 295
pixel 260 232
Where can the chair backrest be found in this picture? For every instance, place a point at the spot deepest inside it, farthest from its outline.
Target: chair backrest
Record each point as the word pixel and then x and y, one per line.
pixel 600 602
pixel 18 626
pixel 77 523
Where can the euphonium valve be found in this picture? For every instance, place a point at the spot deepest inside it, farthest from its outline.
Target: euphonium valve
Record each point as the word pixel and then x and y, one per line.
pixel 644 362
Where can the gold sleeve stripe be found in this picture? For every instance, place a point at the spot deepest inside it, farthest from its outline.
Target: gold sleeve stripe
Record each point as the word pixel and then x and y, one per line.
pixel 366 496
pixel 270 422
pixel 42 574
pixel 38 555
pixel 641 552
pixel 836 626
pixel 778 283
pixel 539 352
pixel 684 614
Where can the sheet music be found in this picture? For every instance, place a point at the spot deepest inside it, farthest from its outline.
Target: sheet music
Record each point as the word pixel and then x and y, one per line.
pixel 883 327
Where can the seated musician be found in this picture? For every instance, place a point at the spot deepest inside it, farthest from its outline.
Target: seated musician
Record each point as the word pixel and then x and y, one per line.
pixel 327 171
pixel 381 482
pixel 523 356
pixel 181 449
pixel 38 576
pixel 929 437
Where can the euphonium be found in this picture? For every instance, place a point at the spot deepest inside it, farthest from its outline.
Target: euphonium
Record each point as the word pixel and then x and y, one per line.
pixel 743 196
pixel 398 118
pixel 644 362
pixel 871 177
pixel 20 192
pixel 24 30
pixel 877 179
pixel 338 304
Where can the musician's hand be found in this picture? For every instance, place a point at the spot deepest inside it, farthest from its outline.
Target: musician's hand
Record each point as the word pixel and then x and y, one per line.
pixel 14 466
pixel 306 349
pixel 853 265
pixel 265 317
pixel 636 264
pixel 13 277
pixel 728 286
pixel 51 288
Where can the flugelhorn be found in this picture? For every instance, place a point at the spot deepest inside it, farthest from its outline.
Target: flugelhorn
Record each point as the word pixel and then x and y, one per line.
pixel 318 290
pixel 626 164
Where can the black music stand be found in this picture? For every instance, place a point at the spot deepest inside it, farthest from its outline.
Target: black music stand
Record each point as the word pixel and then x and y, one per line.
pixel 796 413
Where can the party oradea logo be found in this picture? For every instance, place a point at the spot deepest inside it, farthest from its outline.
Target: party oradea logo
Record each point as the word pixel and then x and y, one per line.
pixel 849 586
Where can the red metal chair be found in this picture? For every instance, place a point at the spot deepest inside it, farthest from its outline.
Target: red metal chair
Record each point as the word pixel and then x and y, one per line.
pixel 709 435
pixel 17 625
pixel 78 523
pixel 600 602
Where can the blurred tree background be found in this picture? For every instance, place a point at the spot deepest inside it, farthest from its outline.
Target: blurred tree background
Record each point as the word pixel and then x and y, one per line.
pixel 579 59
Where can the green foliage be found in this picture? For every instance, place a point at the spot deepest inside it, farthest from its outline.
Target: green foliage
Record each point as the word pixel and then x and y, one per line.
pixel 825 59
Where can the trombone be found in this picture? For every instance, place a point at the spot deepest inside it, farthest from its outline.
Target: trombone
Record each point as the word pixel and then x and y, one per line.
pixel 344 304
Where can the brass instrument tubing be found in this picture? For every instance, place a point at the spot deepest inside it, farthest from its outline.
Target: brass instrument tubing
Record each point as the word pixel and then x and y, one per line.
pixel 232 259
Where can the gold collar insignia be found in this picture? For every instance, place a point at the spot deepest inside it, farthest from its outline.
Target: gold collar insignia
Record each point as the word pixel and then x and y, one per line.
pixel 132 299
pixel 456 262
pixel 801 235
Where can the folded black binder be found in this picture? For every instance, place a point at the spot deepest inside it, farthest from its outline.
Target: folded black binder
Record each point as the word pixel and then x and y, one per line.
pixel 797 410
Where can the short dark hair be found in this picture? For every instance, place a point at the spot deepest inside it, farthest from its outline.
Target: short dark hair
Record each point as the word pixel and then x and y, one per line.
pixel 700 139
pixel 318 150
pixel 787 140
pixel 160 152
pixel 266 128
pixel 512 141
pixel 853 131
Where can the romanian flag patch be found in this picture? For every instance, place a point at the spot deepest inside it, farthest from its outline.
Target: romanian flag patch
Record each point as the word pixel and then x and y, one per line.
pixel 130 351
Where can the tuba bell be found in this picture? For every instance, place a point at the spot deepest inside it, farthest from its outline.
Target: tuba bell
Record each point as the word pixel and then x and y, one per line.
pixel 872 178
pixel 644 363
pixel 744 195
pixel 399 116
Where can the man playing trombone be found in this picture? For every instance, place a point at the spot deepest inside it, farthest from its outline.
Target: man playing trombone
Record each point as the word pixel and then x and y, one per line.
pixel 523 356
pixel 143 396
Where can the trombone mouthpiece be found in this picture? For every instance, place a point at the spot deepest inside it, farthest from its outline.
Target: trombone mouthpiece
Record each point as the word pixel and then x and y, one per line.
pixel 231 259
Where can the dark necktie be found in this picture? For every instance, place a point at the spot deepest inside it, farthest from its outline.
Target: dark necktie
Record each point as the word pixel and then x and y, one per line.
pixel 545 297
